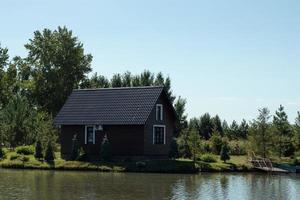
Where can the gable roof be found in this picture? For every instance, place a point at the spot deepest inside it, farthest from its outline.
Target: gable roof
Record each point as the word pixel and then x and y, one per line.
pixel 109 106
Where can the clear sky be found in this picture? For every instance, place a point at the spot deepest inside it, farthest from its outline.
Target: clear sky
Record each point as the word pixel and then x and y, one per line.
pixel 226 57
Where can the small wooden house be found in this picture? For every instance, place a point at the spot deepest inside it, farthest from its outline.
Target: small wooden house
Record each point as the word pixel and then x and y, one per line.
pixel 138 121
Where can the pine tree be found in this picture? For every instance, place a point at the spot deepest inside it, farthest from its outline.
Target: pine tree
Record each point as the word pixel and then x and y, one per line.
pixel 49 156
pixel 75 148
pixel 217 125
pixel 283 133
pixel 194 143
pixel 105 152
pixel 38 150
pixel 259 133
pixel 224 156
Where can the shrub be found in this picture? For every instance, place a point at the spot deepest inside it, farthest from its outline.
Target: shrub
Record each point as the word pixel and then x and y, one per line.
pixel 38 150
pixel 25 150
pixel 49 155
pixel 105 151
pixel 24 158
pixel 237 148
pixel 209 158
pixel 206 147
pixel 14 156
pixel 225 153
pixel 2 153
pixel 216 143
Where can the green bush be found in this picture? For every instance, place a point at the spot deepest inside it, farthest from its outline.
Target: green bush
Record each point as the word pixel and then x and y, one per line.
pixel 24 158
pixel 14 156
pixel 216 143
pixel 38 150
pixel 206 147
pixel 209 158
pixel 238 148
pixel 224 155
pixel 25 150
pixel 49 155
pixel 2 153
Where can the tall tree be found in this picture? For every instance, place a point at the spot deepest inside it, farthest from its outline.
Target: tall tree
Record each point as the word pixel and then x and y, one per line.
pixel 217 125
pixel 147 78
pixel 243 129
pixel 116 81
pixel 283 131
pixel 194 144
pixel 225 128
pixel 96 81
pixel 136 81
pixel 234 130
pixel 297 131
pixel 59 64
pixel 126 79
pixel 183 144
pixel 3 63
pixel 205 126
pixel 181 114
pixel 159 79
pixel 15 121
pixel 260 134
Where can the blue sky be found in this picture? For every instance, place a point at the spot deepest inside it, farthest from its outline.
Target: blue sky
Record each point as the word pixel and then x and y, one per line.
pixel 226 57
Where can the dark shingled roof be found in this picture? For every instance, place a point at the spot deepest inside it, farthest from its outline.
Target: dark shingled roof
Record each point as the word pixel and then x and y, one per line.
pixel 110 106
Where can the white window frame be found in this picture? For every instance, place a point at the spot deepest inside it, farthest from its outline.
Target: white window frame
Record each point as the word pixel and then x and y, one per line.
pixel 153 133
pixel 85 134
pixel 161 112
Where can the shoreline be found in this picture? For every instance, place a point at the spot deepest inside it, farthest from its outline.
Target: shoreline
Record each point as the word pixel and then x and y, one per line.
pixel 159 166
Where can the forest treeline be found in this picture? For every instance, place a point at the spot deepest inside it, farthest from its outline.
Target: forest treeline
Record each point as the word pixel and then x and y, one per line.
pixel 34 88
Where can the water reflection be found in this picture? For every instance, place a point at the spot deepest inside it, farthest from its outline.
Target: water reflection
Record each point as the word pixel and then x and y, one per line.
pixel 18 184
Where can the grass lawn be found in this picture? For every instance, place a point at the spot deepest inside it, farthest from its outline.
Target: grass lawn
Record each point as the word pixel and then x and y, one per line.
pixel 236 163
pixel 162 166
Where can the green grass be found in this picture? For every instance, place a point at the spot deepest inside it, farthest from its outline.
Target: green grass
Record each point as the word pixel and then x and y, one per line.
pixel 161 166
pixel 236 163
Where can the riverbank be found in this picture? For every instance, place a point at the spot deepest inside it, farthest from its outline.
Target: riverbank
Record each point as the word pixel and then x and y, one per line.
pixel 237 164
pixel 186 166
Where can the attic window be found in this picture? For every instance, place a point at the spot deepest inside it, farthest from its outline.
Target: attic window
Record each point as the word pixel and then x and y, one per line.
pixel 159 112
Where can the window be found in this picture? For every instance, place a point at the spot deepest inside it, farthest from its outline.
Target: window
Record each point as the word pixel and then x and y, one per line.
pixel 89 134
pixel 159 134
pixel 159 112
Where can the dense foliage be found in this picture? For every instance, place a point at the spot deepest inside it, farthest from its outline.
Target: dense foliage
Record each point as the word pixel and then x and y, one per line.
pixel 262 136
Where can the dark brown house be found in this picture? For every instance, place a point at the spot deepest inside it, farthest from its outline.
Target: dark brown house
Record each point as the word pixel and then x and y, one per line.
pixel 138 121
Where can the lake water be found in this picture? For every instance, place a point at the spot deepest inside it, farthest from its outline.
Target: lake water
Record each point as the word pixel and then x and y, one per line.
pixel 43 185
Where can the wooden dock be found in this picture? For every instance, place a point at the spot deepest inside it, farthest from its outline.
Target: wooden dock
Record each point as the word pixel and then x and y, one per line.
pixel 265 164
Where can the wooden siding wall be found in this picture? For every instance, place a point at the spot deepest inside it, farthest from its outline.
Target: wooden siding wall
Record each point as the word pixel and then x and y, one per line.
pixel 154 150
pixel 125 140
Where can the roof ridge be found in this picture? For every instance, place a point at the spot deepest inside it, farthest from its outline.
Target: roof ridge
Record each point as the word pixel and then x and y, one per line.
pixel 119 88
